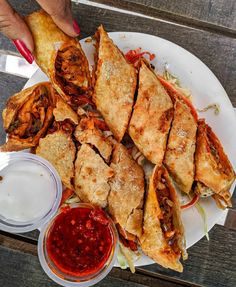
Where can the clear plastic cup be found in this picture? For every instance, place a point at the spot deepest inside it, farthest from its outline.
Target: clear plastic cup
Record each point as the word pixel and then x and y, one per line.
pixel 64 279
pixel 11 158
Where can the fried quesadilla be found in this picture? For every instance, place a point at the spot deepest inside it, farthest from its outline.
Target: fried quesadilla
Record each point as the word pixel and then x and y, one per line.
pixel 59 149
pixel 115 85
pixel 59 56
pixel 179 156
pixel 91 177
pixel 86 132
pixel 27 116
pixel 214 172
pixel 163 232
pixel 125 201
pixel 152 115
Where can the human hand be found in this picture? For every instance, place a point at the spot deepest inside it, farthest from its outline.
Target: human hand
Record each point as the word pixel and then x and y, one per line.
pixel 14 27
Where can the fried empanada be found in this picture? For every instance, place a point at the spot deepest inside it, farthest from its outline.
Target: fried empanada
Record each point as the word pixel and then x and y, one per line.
pixel 59 149
pixel 163 232
pixel 153 112
pixel 91 177
pixel 179 156
pixel 86 132
pixel 214 172
pixel 59 56
pixel 125 201
pixel 115 85
pixel 27 116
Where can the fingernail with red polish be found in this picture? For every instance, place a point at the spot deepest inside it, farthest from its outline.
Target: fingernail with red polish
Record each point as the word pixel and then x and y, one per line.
pixel 25 52
pixel 76 27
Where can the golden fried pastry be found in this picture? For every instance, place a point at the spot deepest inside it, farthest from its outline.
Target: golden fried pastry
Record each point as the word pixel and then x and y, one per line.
pixel 91 177
pixel 115 85
pixel 179 156
pixel 163 232
pixel 59 56
pixel 86 132
pixel 59 149
pixel 153 112
pixel 214 172
pixel 125 201
pixel 27 116
pixel 63 111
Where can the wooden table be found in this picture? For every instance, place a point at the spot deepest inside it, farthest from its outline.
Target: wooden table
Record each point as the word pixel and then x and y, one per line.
pixel 207 28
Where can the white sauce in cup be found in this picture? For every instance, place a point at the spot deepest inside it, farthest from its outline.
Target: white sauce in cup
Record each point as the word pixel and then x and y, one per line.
pixel 27 191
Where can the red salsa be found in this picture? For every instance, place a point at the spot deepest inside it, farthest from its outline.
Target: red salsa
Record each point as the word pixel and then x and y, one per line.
pixel 80 241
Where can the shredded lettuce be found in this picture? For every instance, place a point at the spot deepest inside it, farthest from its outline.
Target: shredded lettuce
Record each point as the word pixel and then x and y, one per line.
pixel 73 199
pixel 122 260
pixel 201 211
pixel 170 78
pixel 175 81
pixel 216 108
pixel 127 257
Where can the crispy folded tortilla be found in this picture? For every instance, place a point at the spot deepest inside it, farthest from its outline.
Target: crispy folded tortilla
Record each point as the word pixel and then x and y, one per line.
pixel 153 112
pixel 163 239
pixel 125 201
pixel 179 156
pixel 27 116
pixel 91 177
pixel 59 149
pixel 59 56
pixel 115 85
pixel 86 132
pixel 214 171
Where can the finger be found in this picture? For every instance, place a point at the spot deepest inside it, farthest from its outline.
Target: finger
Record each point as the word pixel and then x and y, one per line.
pixel 61 13
pixel 14 27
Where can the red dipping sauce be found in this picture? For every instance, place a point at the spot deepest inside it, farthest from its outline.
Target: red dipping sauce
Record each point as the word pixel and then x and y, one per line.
pixel 80 241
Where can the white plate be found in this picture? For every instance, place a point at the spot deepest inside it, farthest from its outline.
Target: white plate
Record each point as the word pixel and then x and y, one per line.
pixel 205 89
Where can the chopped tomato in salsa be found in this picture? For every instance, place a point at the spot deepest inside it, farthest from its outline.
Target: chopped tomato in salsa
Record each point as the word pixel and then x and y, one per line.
pixel 80 241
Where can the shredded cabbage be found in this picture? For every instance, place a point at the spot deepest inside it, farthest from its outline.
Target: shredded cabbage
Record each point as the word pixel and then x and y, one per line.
pixel 216 108
pixel 129 257
pixel 73 199
pixel 175 81
pixel 201 211
pixel 122 260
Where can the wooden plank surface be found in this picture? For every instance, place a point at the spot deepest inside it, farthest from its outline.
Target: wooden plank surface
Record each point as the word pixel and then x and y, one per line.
pixel 23 270
pixel 203 267
pixel 216 51
pixel 218 15
pixel 21 258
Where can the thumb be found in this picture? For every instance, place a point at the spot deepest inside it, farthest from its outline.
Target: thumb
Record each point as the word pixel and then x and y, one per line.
pixel 14 27
pixel 61 13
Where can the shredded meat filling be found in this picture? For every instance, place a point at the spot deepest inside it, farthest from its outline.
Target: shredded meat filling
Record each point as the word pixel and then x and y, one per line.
pixel 216 152
pixel 66 125
pixel 30 118
pixel 166 220
pixel 71 71
pixel 73 76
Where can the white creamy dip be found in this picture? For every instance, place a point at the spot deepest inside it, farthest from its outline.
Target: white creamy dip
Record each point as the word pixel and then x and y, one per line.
pixel 27 191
